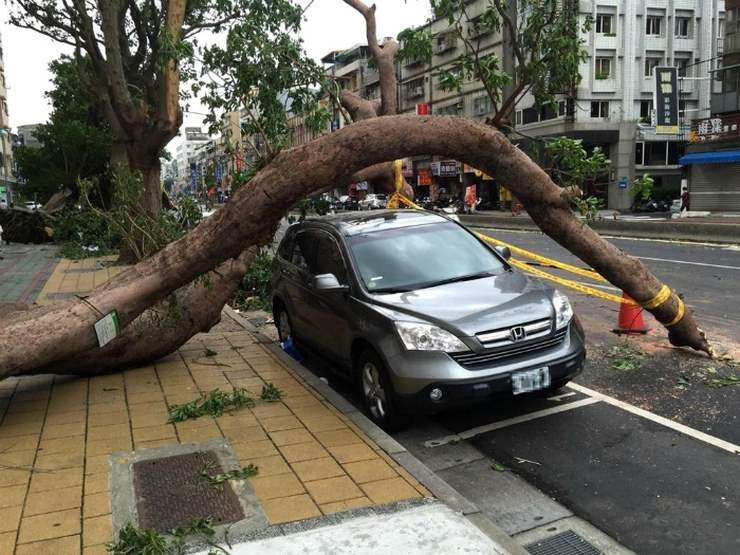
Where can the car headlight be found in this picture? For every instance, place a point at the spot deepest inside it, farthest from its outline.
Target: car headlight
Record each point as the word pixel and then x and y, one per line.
pixel 426 337
pixel 563 310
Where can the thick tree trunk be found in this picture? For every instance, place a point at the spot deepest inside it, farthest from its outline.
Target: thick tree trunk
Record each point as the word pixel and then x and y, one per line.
pixel 37 338
pixel 162 329
pixel 128 156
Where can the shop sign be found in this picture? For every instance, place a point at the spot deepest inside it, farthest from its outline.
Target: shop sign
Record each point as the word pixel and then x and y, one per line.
pixel 446 168
pixel 666 100
pixel 424 177
pixel 715 129
pixel 407 170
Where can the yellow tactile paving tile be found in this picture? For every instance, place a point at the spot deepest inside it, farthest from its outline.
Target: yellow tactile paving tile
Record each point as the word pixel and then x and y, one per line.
pixel 58 434
pixel 78 276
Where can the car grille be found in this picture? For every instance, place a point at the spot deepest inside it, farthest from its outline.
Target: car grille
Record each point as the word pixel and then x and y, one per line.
pixel 499 348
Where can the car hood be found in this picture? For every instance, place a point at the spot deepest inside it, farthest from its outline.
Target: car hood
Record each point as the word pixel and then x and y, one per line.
pixel 474 306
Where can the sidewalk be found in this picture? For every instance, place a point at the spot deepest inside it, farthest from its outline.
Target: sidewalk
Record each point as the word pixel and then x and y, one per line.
pixel 713 229
pixel 326 474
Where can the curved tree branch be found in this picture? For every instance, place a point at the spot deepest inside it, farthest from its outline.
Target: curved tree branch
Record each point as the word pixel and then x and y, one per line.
pixel 32 339
pixel 385 58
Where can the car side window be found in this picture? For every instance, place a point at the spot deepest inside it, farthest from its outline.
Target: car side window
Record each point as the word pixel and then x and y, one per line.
pixel 285 251
pixel 317 252
pixel 304 251
pixel 329 259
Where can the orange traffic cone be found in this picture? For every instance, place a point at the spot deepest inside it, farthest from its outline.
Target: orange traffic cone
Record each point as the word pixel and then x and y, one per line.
pixel 630 317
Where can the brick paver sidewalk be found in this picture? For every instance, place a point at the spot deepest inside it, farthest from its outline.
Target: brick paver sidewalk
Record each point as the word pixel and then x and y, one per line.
pixel 23 271
pixel 57 433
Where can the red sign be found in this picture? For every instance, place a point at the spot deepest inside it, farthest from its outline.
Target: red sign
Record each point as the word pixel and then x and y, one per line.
pixel 422 109
pixel 424 177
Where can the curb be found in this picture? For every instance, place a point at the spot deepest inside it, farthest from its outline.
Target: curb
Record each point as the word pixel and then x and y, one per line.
pixel 439 488
pixel 691 232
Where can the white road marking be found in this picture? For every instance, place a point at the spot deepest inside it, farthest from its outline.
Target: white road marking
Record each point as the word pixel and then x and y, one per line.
pixel 691 263
pixel 561 396
pixel 724 246
pixel 468 434
pixel 691 432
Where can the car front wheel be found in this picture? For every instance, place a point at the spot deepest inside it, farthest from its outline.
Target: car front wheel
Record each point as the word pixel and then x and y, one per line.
pixel 377 393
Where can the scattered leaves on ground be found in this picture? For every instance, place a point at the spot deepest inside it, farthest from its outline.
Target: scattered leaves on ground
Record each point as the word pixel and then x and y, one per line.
pixel 136 541
pixel 270 393
pixel 215 403
pixel 625 357
pixel 497 466
pixel 221 477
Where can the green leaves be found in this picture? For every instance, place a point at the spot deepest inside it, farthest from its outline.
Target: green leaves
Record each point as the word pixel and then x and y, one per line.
pixel 270 393
pixel 263 71
pixel 221 477
pixel 642 187
pixel 213 404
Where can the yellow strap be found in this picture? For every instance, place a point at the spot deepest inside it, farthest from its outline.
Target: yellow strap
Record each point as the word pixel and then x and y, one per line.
pixel 570 283
pixel 544 260
pixel 679 314
pixel 663 295
pixel 398 174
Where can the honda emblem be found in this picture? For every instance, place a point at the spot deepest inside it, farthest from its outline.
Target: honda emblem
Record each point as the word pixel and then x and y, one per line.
pixel 518 333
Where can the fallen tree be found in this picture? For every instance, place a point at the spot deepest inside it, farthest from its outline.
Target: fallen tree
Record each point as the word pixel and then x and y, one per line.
pixel 37 338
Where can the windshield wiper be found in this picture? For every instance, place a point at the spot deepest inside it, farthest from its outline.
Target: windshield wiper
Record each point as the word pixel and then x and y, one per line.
pixel 468 277
pixel 392 290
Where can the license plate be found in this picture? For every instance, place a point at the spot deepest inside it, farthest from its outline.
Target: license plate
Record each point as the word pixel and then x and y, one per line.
pixel 530 380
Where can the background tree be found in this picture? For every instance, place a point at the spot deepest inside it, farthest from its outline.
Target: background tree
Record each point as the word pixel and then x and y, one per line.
pixel 75 143
pixel 544 38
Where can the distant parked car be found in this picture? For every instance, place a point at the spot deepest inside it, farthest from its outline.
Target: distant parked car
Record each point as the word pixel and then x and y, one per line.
pixel 374 201
pixel 351 204
pixel 3 204
pixel 31 205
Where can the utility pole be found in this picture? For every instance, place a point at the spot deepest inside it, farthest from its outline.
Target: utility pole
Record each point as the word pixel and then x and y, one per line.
pixel 4 131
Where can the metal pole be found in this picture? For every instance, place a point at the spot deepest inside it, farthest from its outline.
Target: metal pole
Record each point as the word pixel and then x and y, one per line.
pixel 4 131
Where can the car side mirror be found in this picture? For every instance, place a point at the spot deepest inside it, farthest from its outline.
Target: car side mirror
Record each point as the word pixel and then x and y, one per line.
pixel 328 282
pixel 504 251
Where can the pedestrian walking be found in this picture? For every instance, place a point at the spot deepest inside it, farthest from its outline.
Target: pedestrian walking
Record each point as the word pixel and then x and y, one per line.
pixel 470 200
pixel 685 202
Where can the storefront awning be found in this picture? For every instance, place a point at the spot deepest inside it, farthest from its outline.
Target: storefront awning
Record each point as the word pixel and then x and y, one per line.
pixel 716 157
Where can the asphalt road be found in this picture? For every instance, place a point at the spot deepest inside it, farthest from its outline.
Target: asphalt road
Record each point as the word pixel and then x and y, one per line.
pixel 708 276
pixel 650 456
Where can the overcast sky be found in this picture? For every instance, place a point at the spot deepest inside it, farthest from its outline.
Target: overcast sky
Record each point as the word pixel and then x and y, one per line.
pixel 330 25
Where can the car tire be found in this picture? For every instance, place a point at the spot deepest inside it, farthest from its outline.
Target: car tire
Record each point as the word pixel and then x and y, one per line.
pixel 283 323
pixel 377 393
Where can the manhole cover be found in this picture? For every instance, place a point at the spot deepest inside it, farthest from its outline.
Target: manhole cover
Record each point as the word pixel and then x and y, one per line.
pixel 171 492
pixel 565 543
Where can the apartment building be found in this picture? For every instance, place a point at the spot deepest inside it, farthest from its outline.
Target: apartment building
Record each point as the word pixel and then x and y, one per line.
pixel 712 159
pixel 421 91
pixel 7 178
pixel 613 105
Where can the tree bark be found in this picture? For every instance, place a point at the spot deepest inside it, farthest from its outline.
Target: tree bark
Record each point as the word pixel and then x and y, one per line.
pixel 36 338
pixel 161 330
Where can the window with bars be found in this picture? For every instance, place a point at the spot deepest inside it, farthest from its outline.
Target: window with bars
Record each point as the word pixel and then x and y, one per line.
pixel 653 25
pixel 600 109
pixel 683 27
pixel 603 68
pixel 650 65
pixel 604 24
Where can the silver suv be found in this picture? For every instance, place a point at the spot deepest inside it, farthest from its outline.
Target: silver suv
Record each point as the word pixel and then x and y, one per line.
pixel 421 312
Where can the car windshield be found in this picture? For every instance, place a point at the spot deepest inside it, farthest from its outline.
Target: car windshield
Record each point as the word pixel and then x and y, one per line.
pixel 409 258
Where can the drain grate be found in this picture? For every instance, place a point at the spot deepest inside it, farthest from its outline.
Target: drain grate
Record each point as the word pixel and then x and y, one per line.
pixel 565 543
pixel 171 492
